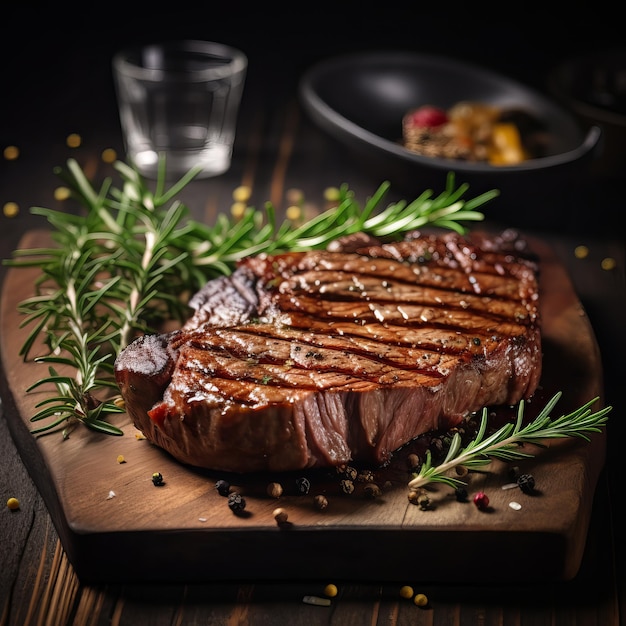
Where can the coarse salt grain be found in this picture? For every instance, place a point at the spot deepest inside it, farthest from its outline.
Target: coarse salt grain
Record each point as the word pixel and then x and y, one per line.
pixel 516 506
pixel 316 600
pixel 111 495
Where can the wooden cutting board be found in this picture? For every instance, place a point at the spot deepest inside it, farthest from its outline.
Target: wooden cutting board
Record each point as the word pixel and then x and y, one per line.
pixel 116 526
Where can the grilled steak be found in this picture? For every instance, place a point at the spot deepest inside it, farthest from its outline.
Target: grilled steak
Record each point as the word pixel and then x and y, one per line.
pixel 316 359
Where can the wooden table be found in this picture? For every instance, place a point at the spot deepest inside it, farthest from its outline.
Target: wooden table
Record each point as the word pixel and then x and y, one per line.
pixel 279 153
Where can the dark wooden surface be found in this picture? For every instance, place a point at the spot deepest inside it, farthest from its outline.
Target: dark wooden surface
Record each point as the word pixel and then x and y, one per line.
pixel 191 523
pixel 279 150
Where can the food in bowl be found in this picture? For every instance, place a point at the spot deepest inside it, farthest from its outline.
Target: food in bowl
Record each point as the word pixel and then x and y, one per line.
pixel 474 131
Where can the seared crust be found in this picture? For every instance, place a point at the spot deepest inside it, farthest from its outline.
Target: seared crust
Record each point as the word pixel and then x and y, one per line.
pixel 322 358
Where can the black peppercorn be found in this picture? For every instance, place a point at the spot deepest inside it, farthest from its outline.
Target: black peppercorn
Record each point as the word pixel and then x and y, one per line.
pixel 157 479
pixel 526 483
pixel 461 494
pixel 236 502
pixel 303 485
pixel 223 487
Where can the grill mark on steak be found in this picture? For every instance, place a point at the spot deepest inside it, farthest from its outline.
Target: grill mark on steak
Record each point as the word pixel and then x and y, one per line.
pixel 311 359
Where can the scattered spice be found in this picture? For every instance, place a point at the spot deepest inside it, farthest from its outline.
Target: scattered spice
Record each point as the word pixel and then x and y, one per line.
pixel 347 486
pixel 280 515
pixel 10 209
pixel 73 140
pixel 331 590
pixel 236 502
pixel 11 153
pixel 13 504
pixel 516 506
pixel 348 472
pixel 365 476
pixel 223 487
pixel 157 479
pixel 526 483
pixel 372 491
pixel 413 461
pixel 460 493
pixel 481 500
pixel 420 600
pixel 303 485
pixel 293 212
pixel 320 502
pixel 242 193
pixel 274 490
pixel 121 459
pixel 581 252
pixel 406 592
pixel 461 471
pixel 413 496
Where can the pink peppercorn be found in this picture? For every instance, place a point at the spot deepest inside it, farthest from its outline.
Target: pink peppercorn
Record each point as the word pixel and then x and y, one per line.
pixel 481 500
pixel 428 117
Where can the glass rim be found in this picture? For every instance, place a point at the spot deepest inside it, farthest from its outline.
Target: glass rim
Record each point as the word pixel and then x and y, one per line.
pixel 134 61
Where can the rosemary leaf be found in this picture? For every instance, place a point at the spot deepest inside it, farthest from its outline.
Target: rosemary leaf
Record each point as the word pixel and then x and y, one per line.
pixel 132 257
pixel 504 444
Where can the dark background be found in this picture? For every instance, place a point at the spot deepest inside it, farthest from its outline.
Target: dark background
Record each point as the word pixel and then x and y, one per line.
pixel 55 63
pixel 45 49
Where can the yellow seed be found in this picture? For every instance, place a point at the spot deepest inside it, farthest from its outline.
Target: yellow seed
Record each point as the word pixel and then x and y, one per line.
pixel 13 504
pixel 74 140
pixel 581 252
pixel 420 599
pixel 406 592
pixel 608 264
pixel 61 193
pixel 330 590
pixel 11 153
pixel 238 209
pixel 242 193
pixel 10 209
pixel 120 458
pixel 293 212
pixel 331 194
pixel 109 155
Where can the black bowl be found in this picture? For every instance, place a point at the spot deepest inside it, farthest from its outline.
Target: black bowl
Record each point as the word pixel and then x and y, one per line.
pixel 360 100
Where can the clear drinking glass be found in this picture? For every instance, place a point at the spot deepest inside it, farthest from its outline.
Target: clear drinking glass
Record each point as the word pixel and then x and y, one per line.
pixel 179 101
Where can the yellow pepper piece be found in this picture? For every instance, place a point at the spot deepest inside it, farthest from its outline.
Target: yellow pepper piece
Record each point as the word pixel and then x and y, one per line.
pixel 506 145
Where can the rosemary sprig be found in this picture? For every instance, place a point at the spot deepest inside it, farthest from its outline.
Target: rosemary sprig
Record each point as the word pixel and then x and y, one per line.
pixel 132 258
pixel 505 443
